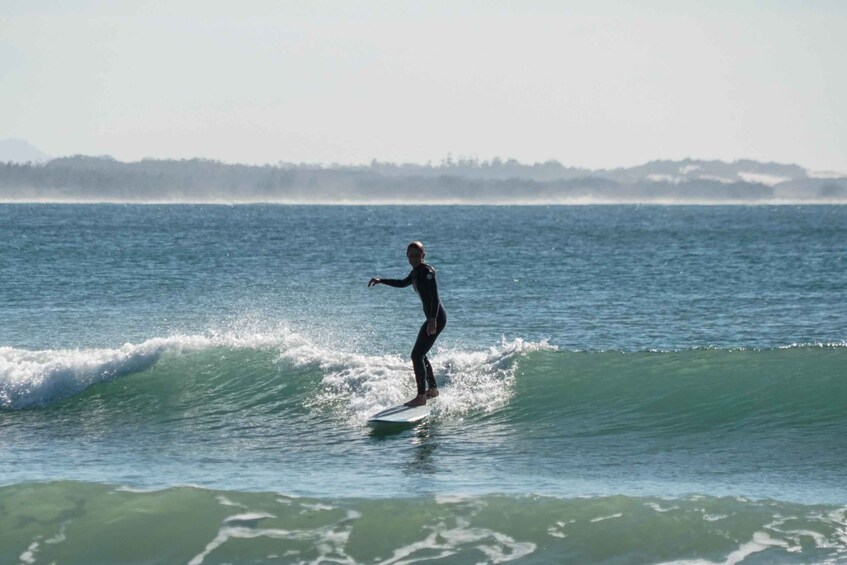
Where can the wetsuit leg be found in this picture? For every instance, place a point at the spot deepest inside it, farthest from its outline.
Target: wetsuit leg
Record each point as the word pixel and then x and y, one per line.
pixel 423 370
pixel 430 377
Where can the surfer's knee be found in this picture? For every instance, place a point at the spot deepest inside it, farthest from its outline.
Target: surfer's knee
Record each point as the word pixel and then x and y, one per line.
pixel 418 351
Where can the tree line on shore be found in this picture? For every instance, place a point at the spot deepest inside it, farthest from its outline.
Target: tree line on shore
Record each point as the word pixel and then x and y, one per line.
pixel 84 178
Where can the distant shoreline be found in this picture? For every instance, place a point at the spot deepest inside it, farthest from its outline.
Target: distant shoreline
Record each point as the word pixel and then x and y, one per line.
pixel 90 180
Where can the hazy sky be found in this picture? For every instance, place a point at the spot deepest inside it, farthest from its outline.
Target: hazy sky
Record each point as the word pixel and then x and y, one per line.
pixel 588 83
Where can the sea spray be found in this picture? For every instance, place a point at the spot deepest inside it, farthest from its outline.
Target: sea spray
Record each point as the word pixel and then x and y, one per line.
pixel 469 382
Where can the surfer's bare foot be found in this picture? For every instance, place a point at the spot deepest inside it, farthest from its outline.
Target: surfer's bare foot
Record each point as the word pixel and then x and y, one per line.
pixel 419 400
pixel 432 392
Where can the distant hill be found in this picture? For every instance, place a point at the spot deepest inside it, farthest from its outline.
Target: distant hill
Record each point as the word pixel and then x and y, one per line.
pixel 98 179
pixel 19 151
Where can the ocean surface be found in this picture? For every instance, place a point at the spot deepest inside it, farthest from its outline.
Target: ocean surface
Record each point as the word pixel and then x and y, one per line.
pixel 619 384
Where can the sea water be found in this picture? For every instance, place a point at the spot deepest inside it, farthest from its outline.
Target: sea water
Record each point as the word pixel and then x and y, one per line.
pixel 619 384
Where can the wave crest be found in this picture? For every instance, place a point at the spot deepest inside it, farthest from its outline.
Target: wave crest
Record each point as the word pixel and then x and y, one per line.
pixel 358 384
pixel 36 378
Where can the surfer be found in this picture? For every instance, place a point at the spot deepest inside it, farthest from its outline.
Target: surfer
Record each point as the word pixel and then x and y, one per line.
pixel 422 278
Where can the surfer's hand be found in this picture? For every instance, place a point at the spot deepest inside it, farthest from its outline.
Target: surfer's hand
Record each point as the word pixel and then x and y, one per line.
pixel 431 326
pixel 373 282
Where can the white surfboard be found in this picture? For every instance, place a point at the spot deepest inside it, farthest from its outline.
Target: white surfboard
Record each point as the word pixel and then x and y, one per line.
pixel 401 414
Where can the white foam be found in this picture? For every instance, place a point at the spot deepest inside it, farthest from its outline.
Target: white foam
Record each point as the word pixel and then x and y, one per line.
pixel 714 517
pixel 359 385
pixel 659 508
pixel 604 518
pixel 556 529
pixel 315 507
pixel 248 518
pixel 28 556
pixel 496 546
pixel 328 540
pixel 760 542
pixel 36 378
pixel 224 501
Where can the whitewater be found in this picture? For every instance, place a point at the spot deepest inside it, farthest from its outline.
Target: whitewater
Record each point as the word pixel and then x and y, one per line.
pixel 619 384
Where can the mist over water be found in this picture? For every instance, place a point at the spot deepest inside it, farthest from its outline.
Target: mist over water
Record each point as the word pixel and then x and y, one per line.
pixel 82 179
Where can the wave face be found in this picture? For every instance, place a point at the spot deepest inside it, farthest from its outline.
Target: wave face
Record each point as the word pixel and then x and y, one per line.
pixel 66 522
pixel 665 393
pixel 800 389
pixel 284 359
pixel 719 422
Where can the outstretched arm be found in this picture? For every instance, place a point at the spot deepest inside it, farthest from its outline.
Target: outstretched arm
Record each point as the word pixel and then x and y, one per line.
pixel 397 283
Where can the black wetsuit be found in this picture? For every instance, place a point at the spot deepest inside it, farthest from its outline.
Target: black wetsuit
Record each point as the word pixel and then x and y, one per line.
pixel 422 278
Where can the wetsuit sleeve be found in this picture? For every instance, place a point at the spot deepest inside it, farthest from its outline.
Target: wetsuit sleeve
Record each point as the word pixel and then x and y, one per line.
pixel 397 283
pixel 428 290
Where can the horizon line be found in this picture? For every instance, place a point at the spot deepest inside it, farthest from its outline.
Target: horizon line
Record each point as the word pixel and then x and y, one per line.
pixel 488 203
